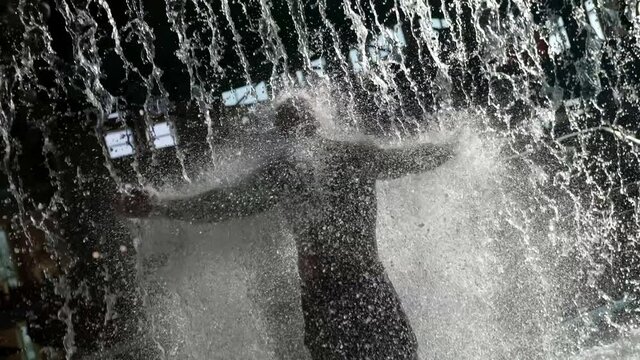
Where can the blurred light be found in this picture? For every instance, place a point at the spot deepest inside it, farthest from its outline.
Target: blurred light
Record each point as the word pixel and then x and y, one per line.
pixel 283 80
pixel 558 37
pixel 632 10
pixel 95 255
pixel 8 273
pixel 162 135
pixel 574 106
pixel 592 13
pixel 157 106
pixel 300 77
pixel 380 48
pixel 389 42
pixel 401 41
pixel 356 62
pixel 318 66
pixel 120 143
pixel 378 51
pixel 246 95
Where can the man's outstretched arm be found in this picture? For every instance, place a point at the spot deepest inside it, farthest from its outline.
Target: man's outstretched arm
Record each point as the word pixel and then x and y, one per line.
pixel 254 194
pixel 397 162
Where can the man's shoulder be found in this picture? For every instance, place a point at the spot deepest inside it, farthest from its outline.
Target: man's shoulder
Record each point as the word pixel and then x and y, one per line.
pixel 353 147
pixel 279 165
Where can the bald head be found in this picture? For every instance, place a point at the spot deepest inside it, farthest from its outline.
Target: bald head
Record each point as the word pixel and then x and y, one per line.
pixel 294 117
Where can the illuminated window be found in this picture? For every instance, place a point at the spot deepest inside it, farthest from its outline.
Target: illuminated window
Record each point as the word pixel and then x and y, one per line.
pixel 558 37
pixel 8 273
pixel 163 135
pixel 246 95
pixel 592 13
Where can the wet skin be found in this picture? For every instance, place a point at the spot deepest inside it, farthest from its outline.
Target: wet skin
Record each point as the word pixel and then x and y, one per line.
pixel 350 308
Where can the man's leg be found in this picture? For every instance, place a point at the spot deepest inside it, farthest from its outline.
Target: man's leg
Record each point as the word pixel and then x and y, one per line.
pixel 373 319
pixel 353 314
pixel 393 331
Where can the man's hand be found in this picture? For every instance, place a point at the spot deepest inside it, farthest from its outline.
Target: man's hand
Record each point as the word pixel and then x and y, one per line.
pixel 135 203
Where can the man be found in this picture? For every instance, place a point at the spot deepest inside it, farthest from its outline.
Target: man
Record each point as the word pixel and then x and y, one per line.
pixel 326 190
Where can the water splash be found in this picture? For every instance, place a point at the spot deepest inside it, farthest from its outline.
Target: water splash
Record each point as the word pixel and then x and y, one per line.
pixel 504 253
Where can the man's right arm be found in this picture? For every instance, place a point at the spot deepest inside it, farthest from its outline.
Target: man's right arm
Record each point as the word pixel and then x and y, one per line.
pixel 257 193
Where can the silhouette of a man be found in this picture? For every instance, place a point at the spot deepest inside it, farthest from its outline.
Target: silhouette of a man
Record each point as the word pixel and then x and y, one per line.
pixel 326 190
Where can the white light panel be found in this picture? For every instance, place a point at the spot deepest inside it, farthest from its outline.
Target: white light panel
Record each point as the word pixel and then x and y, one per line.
pixel 120 143
pixel 246 95
pixel 163 135
pixel 318 66
pixel 440 24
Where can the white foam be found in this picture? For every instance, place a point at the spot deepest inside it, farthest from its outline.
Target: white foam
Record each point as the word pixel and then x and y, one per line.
pixel 626 348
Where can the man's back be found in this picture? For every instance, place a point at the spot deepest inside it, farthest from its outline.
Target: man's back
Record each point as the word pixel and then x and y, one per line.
pixel 351 309
pixel 332 207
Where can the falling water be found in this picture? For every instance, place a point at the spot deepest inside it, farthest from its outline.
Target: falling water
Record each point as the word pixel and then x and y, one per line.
pixel 522 247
